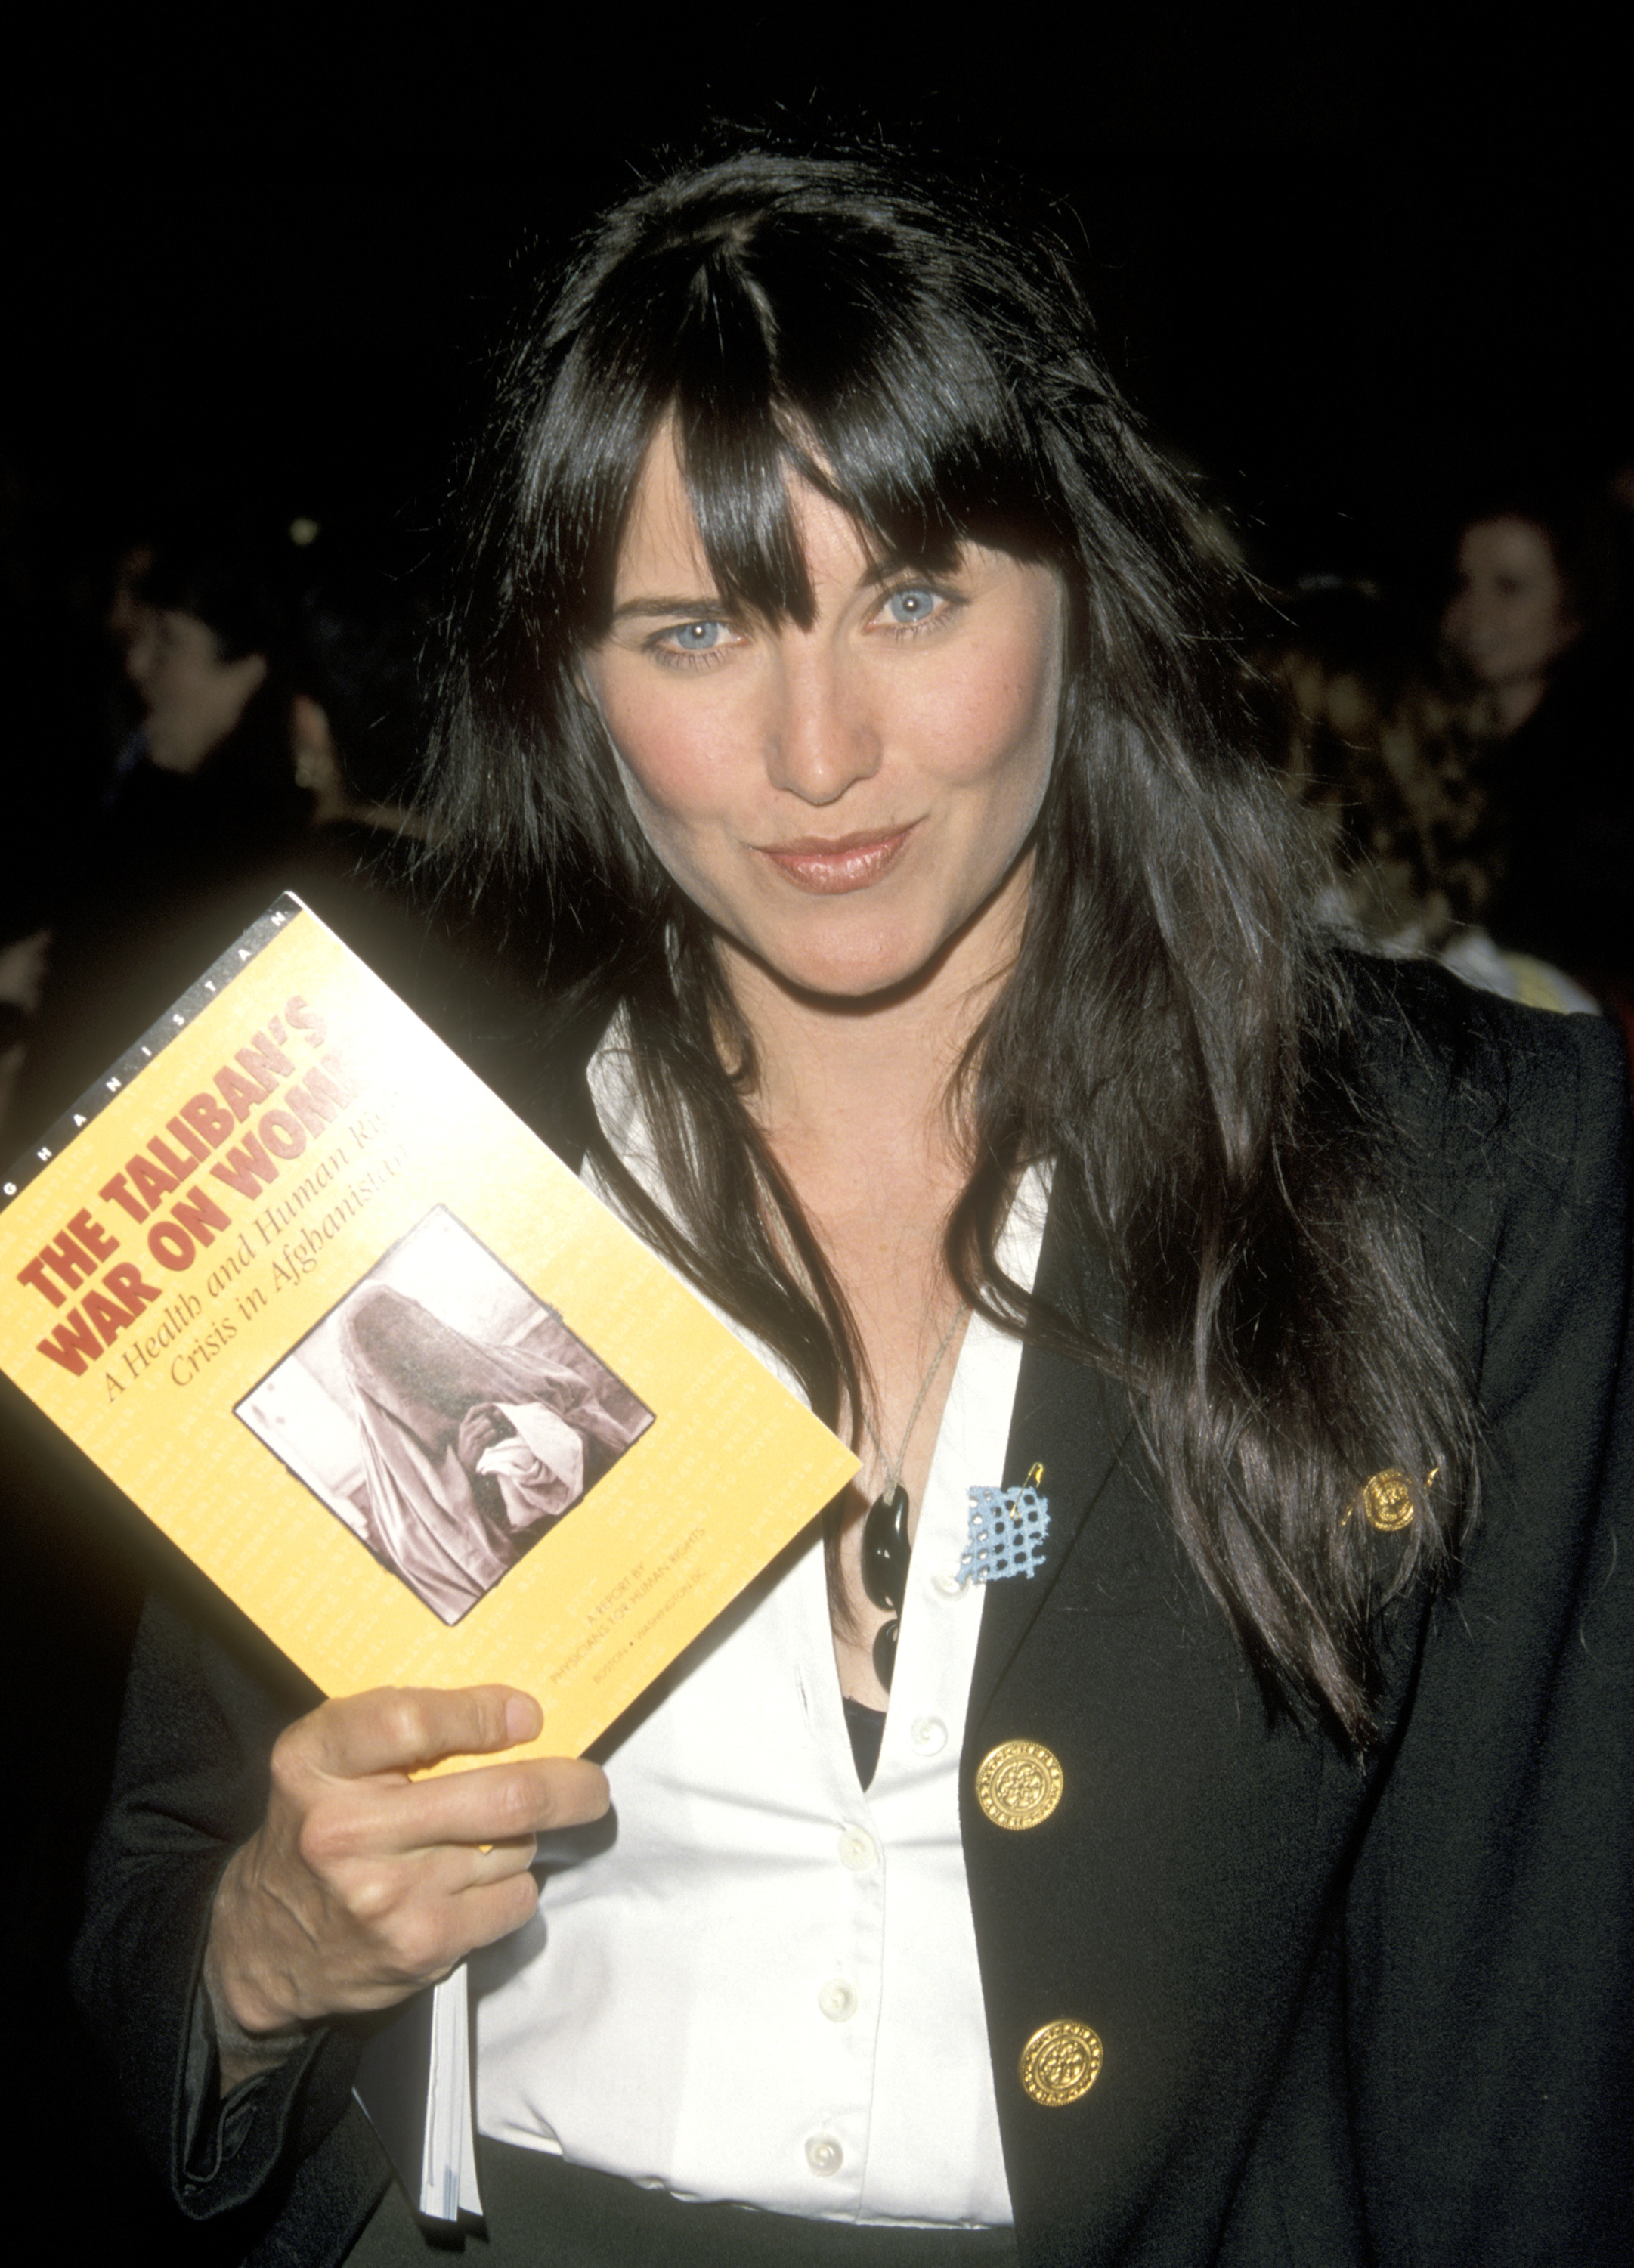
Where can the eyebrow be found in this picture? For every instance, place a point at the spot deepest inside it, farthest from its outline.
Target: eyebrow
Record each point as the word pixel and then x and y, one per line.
pixel 657 605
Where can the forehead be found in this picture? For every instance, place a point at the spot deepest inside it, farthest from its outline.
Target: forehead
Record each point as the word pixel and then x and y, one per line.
pixel 660 528
pixel 661 550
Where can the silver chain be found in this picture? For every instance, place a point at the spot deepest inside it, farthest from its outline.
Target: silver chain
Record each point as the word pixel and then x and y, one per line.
pixel 892 1473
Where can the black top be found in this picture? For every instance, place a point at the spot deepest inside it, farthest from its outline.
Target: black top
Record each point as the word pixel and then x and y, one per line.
pixel 866 1728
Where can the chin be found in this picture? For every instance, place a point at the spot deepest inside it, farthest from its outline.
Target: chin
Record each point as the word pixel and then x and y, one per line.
pixel 860 949
pixel 871 972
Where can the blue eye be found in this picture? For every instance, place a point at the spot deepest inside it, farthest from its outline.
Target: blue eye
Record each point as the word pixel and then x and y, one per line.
pixel 695 638
pixel 911 605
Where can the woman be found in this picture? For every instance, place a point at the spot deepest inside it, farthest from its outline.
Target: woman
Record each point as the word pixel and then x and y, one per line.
pixel 1532 619
pixel 1240 1859
pixel 202 804
pixel 1387 763
pixel 1514 614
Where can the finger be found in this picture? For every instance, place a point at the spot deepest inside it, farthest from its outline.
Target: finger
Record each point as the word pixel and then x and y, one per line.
pixel 448 1871
pixel 497 1862
pixel 376 1819
pixel 498 1803
pixel 492 1910
pixel 404 1729
pixel 442 1929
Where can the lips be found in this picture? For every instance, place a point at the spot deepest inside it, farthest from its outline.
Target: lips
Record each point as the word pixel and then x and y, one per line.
pixel 849 862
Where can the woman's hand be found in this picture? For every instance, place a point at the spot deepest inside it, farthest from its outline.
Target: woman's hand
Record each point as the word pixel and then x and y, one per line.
pixel 479 1428
pixel 363 1884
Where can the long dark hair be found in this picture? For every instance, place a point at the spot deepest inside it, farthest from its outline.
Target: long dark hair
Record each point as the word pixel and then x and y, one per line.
pixel 1174 1035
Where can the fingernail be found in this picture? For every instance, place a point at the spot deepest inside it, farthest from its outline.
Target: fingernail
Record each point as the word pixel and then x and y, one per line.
pixel 522 1718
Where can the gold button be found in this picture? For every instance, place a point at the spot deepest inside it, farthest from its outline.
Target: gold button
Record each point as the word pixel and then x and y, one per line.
pixel 1019 1784
pixel 1060 2063
pixel 1387 1501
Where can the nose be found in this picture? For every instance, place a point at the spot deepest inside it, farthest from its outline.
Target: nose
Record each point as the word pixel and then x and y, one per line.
pixel 822 737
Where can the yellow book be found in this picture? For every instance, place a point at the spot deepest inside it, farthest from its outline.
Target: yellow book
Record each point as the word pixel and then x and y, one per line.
pixel 366 1351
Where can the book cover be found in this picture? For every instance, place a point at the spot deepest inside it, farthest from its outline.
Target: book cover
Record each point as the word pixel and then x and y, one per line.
pixel 347 1331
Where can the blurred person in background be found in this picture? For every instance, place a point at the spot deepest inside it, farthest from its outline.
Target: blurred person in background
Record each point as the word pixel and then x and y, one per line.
pixel 358 716
pixel 58 672
pixel 1513 612
pixel 172 863
pixel 367 861
pixel 285 710
pixel 207 630
pixel 284 707
pixel 97 859
pixel 1533 618
pixel 1387 761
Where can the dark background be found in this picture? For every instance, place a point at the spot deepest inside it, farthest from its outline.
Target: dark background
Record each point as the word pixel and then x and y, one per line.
pixel 1347 264
pixel 1351 265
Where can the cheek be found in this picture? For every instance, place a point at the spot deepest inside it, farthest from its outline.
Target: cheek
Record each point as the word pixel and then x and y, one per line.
pixel 1517 632
pixel 669 778
pixel 667 749
pixel 1546 622
pixel 656 816
pixel 1002 722
pixel 673 792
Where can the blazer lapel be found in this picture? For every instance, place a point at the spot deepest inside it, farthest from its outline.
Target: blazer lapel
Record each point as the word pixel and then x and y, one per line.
pixel 1074 1421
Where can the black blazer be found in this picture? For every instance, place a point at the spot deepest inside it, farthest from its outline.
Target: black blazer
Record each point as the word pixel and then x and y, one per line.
pixel 1348 2014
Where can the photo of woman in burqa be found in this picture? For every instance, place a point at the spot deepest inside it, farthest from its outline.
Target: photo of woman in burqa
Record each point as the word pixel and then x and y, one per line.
pixel 471 1451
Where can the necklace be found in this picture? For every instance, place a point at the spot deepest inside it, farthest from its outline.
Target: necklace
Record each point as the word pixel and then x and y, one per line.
pixel 886 1547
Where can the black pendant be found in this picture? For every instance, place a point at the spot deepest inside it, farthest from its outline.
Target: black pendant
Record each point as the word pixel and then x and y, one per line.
pixel 886 1549
pixel 886 1554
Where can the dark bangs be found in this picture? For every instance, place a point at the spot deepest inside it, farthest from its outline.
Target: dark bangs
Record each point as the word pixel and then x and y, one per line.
pixel 921 368
pixel 804 339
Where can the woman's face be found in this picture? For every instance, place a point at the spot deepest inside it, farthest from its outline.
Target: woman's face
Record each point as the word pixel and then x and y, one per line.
pixel 842 802
pixel 1510 617
pixel 192 697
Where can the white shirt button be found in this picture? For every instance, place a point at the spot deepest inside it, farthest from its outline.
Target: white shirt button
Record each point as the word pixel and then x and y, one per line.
pixel 929 1735
pixel 837 2000
pixel 856 1850
pixel 947 1582
pixel 824 2155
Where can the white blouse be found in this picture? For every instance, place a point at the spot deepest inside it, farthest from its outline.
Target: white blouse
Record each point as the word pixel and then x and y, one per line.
pixel 758 1981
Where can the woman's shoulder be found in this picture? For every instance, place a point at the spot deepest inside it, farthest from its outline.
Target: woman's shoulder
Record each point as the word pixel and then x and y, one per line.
pixel 1461 1066
pixel 1505 1131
